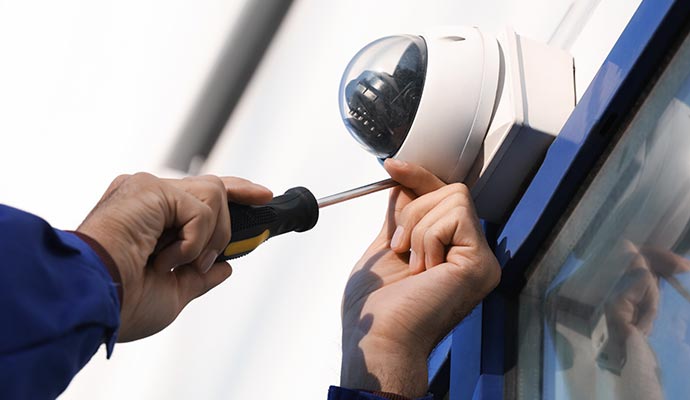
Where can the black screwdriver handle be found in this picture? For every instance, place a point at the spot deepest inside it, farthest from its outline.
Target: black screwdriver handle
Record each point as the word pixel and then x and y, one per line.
pixel 297 210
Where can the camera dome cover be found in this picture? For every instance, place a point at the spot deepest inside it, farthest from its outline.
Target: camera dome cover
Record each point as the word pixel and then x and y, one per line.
pixel 380 92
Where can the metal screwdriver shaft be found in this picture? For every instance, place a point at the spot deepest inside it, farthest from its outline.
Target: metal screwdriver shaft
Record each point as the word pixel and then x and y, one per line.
pixel 297 210
pixel 357 192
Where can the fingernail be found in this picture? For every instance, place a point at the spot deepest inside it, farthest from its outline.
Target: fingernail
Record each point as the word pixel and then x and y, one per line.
pixel 208 260
pixel 397 236
pixel 413 259
pixel 397 163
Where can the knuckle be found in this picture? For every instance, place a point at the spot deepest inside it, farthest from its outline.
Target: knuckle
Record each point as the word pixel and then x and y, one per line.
pixel 143 176
pixel 466 214
pixel 208 188
pixel 214 186
pixel 456 216
pixel 457 213
pixel 120 179
pixel 417 238
pixel 116 184
pixel 206 212
pixel 457 199
pixel 480 270
pixel 189 179
pixel 129 184
pixel 431 243
pixel 432 235
pixel 215 179
pixel 190 249
pixel 406 214
pixel 140 180
pixel 460 188
pixel 486 272
pixel 412 213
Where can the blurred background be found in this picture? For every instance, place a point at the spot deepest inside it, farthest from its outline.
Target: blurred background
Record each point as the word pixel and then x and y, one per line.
pixel 93 89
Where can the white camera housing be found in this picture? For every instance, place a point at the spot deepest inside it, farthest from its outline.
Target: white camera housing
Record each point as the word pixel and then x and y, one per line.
pixel 486 109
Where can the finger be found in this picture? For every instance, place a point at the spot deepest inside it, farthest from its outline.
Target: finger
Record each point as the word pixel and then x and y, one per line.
pixel 456 237
pixel 194 221
pixel 412 176
pixel 398 199
pixel 222 234
pixel 434 232
pixel 435 240
pixel 243 191
pixel 641 292
pixel 623 307
pixel 664 262
pixel 417 209
pixel 648 308
pixel 192 283
pixel 213 192
pixel 210 190
pixel 415 181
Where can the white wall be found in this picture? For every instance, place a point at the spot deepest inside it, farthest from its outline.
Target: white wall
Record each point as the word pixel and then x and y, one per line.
pixel 92 89
pixel 89 90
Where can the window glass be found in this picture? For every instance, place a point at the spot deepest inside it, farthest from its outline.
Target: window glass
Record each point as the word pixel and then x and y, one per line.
pixel 605 311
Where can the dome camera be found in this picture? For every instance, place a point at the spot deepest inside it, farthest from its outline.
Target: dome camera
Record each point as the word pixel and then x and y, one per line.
pixel 465 105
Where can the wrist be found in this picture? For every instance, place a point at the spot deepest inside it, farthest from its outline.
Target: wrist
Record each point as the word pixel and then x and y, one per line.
pixel 372 365
pixel 106 259
pixel 114 244
pixel 122 254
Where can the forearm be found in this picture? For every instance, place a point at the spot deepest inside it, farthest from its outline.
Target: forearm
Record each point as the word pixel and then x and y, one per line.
pixel 43 370
pixel 58 305
pixel 382 367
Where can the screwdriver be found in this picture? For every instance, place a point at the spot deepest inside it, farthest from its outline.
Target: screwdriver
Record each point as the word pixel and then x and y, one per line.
pixel 295 211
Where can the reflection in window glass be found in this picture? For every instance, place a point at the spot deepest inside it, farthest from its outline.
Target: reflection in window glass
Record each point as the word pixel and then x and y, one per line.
pixel 605 312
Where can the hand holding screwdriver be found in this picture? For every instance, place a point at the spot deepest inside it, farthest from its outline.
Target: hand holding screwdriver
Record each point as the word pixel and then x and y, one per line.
pixel 164 236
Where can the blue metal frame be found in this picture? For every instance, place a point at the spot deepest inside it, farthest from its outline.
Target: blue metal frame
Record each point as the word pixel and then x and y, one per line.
pixel 478 356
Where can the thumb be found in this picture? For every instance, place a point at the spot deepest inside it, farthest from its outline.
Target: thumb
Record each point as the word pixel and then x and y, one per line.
pixel 416 181
pixel 412 176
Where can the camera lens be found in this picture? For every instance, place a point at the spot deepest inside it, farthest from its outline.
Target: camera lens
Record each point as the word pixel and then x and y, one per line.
pixel 380 92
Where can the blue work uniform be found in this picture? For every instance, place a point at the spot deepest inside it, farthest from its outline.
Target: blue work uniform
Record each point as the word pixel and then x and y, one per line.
pixel 59 302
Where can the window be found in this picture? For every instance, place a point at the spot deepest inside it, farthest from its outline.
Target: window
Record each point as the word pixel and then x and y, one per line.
pixel 605 311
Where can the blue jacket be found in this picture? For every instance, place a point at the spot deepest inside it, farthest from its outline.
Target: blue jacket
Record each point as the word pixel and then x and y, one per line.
pixel 58 304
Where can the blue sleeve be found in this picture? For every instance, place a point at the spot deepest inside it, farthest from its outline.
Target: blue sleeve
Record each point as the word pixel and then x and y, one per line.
pixel 57 305
pixel 338 393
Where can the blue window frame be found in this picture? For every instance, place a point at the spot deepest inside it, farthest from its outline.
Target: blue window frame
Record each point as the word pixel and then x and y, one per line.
pixel 605 310
pixel 483 350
